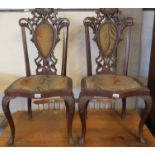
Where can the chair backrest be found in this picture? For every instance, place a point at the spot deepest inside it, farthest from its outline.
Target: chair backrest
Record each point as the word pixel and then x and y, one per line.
pixel 45 26
pixel 108 27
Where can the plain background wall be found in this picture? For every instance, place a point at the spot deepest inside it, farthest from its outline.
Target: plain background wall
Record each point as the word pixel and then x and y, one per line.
pixel 12 58
pixel 146 43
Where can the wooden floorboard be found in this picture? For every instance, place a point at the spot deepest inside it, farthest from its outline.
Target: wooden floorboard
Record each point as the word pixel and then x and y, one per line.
pixel 104 128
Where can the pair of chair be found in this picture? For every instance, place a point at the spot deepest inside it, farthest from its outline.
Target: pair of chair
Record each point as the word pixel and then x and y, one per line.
pixel 108 29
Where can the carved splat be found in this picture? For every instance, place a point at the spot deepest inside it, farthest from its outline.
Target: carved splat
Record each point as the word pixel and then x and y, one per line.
pixel 45 26
pixel 107 26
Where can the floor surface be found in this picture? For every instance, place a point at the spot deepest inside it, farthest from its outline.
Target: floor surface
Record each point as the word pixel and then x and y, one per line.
pixel 104 128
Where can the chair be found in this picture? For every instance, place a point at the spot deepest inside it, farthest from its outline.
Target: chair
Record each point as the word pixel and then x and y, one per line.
pixel 44 26
pixel 108 27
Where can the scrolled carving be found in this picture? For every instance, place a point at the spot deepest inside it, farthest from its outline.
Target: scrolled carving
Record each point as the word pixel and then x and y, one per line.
pixel 106 61
pixel 45 18
pixel 44 11
pixel 129 21
pixel 108 11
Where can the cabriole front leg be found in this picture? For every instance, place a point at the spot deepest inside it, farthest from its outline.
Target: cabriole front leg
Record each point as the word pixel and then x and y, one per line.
pixel 148 106
pixel 70 109
pixel 6 110
pixel 82 106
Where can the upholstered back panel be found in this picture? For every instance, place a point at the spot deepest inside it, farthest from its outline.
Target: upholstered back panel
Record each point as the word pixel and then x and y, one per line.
pixel 107 37
pixel 44 35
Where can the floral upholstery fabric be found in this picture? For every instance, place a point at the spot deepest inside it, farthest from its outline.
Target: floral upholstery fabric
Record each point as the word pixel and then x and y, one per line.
pixel 110 83
pixel 40 83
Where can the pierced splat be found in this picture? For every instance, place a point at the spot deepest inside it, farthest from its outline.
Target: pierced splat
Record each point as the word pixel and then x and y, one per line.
pixel 108 28
pixel 45 27
pixel 105 64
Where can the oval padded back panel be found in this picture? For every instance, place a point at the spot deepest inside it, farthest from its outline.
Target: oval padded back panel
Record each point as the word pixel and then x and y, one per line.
pixel 44 38
pixel 107 37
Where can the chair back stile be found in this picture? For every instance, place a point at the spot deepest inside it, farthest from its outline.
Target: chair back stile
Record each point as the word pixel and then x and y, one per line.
pixel 65 45
pixel 26 56
pixel 88 50
pixel 127 51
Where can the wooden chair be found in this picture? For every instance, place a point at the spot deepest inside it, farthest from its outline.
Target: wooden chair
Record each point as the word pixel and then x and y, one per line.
pixel 44 27
pixel 108 27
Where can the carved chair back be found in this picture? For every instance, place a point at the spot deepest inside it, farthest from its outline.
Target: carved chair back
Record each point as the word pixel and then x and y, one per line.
pixel 45 26
pixel 108 27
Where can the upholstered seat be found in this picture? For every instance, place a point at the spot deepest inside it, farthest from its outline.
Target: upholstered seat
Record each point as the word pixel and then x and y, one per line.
pixel 41 83
pixel 109 82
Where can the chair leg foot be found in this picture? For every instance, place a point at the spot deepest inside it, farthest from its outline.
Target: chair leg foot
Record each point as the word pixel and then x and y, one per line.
pixel 71 140
pixel 70 109
pixel 11 140
pixel 148 106
pixel 81 140
pixel 6 110
pixel 141 139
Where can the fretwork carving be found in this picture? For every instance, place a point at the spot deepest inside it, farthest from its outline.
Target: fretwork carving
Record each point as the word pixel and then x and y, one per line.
pixel 111 24
pixel 47 17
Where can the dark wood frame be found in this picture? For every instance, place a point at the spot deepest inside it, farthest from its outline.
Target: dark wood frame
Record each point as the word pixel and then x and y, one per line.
pixel 86 95
pixel 58 23
pixel 151 80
